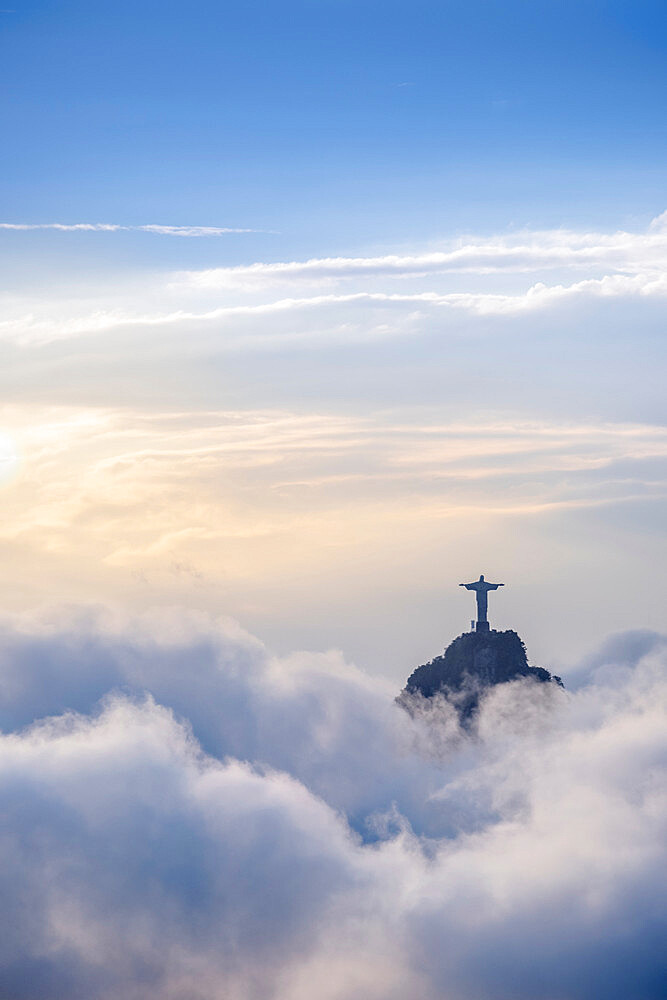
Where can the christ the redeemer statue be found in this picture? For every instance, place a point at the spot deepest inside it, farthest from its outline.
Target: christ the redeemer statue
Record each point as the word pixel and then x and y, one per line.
pixel 482 588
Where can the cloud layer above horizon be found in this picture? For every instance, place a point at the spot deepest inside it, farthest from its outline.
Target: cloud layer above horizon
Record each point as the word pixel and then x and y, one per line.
pixel 184 815
pixel 576 267
pixel 348 435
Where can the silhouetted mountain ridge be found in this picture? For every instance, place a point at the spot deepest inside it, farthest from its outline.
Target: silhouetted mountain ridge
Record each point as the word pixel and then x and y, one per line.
pixel 472 663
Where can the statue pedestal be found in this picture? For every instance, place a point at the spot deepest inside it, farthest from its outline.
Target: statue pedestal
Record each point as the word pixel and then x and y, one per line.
pixel 482 627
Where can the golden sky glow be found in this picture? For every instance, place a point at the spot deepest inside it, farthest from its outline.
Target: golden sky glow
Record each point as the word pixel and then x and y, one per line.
pixel 253 510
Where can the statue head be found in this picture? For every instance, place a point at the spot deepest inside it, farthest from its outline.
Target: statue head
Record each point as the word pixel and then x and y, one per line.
pixel 481 576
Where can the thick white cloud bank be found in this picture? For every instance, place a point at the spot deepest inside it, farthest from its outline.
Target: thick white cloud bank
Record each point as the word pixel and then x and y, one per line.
pixel 185 816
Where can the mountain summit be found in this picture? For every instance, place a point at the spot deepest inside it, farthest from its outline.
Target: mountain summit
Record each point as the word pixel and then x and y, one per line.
pixel 474 662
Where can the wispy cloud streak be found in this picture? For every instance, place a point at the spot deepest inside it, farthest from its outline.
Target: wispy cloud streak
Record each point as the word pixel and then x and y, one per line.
pixel 521 252
pixel 211 478
pixel 109 227
pixel 30 330
pixel 481 278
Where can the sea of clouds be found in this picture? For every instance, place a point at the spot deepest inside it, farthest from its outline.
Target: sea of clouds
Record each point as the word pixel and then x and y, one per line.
pixel 185 816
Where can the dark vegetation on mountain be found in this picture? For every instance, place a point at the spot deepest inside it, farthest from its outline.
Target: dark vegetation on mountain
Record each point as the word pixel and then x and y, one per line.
pixel 471 664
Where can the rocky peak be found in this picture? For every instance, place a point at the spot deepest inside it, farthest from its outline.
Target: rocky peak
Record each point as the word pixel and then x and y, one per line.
pixel 472 663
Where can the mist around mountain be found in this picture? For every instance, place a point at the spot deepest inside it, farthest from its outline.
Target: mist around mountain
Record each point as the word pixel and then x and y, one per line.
pixel 184 816
pixel 471 665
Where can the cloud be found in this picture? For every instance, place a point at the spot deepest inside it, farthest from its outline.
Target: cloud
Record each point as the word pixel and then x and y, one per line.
pixel 281 429
pixel 28 330
pixel 108 227
pixel 266 509
pixel 340 299
pixel 521 252
pixel 88 474
pixel 225 823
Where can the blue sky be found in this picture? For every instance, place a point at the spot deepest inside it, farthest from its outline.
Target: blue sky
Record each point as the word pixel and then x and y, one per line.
pixel 348 123
pixel 311 310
